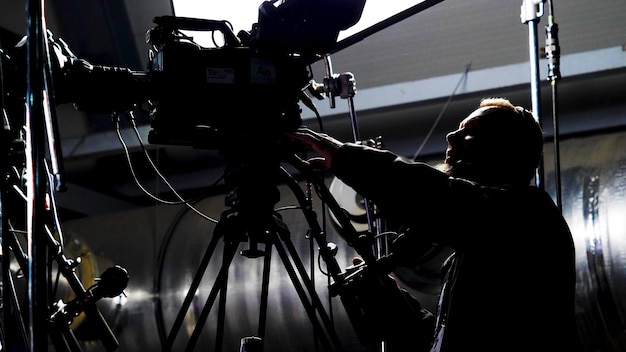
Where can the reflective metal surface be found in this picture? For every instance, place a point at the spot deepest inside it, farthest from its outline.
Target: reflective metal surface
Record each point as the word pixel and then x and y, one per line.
pixel 593 184
pixel 161 248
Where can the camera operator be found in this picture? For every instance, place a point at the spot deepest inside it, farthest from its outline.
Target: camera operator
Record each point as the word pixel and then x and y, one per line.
pixel 510 284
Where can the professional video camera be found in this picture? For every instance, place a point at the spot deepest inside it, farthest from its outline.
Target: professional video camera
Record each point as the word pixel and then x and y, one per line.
pixel 221 97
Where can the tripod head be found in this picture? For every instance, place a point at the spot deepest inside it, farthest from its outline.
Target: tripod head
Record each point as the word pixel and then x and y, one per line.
pixel 253 194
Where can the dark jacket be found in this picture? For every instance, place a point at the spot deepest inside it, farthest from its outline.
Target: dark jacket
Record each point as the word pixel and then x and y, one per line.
pixel 511 285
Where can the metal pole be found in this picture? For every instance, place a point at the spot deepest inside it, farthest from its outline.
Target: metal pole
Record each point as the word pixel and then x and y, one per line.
pixel 531 12
pixel 553 53
pixel 36 100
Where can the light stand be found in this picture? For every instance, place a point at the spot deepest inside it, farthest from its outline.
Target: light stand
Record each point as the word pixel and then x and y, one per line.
pixel 553 53
pixel 531 12
pixel 344 86
pixel 36 92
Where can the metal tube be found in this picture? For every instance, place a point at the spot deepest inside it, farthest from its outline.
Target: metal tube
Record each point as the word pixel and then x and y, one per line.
pixel 554 74
pixel 531 11
pixel 36 177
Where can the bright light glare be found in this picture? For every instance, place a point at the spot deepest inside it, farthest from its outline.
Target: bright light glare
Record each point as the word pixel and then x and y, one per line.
pixel 243 13
pixel 377 11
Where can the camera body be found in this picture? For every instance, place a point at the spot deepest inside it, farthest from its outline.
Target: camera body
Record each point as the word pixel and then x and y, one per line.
pixel 247 90
pixel 213 97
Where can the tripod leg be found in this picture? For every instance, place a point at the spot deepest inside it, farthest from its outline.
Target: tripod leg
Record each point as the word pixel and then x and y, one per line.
pixel 310 308
pixel 265 290
pixel 255 343
pixel 226 260
pixel 178 322
pixel 220 284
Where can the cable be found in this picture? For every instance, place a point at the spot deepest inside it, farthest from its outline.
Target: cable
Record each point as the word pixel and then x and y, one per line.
pixel 130 166
pixel 135 178
pixel 156 169
pixel 428 135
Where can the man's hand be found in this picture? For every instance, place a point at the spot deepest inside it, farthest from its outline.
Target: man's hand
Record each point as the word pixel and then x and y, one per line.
pixel 322 143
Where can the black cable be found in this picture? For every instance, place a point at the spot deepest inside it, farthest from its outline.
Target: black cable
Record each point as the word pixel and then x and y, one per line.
pixel 463 77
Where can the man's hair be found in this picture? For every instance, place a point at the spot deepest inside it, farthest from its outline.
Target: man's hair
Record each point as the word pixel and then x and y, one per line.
pixel 519 141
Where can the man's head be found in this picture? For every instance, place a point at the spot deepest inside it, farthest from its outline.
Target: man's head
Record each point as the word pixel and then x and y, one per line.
pixel 498 143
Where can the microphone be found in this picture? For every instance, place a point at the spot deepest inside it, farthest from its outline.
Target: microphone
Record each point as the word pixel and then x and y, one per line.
pixel 110 284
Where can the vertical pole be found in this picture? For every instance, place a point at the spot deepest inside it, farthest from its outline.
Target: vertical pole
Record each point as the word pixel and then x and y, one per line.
pixel 36 177
pixel 553 53
pixel 531 11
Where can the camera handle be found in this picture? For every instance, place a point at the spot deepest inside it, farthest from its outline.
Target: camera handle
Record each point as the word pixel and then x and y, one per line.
pixel 167 24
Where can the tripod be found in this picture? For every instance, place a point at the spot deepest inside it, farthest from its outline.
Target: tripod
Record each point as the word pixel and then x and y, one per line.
pixel 252 220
